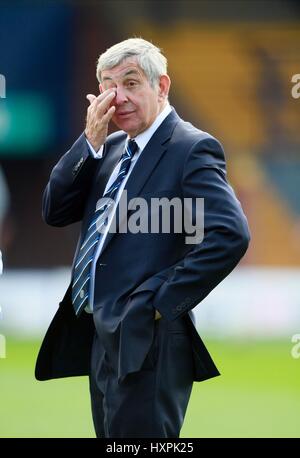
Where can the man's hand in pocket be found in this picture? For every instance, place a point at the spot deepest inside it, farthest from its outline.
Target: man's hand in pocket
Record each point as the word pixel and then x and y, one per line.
pixel 157 315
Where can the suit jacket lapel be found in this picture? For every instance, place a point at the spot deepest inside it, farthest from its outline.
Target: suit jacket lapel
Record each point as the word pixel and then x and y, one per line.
pixel 146 163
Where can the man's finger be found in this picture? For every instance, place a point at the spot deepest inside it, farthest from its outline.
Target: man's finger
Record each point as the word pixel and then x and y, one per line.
pixel 105 94
pixel 91 98
pixel 104 104
pixel 157 315
pixel 109 114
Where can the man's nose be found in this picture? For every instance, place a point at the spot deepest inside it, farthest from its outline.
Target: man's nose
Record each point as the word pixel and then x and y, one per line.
pixel 120 96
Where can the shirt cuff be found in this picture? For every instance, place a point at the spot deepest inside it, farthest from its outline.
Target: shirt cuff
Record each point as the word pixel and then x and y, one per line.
pixel 95 154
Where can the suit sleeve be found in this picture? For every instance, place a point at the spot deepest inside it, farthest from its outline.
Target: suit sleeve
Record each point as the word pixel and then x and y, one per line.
pixel 69 185
pixel 226 234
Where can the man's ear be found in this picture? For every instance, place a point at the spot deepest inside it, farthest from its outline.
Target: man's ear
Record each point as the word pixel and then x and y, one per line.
pixel 164 87
pixel 101 88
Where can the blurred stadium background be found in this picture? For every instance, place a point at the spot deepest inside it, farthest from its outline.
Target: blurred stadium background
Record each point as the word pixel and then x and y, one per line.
pixel 231 64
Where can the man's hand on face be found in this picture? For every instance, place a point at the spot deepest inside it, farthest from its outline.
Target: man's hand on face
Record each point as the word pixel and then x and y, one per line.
pixel 99 113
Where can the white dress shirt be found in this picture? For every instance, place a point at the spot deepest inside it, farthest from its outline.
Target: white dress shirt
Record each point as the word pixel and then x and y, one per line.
pixel 141 140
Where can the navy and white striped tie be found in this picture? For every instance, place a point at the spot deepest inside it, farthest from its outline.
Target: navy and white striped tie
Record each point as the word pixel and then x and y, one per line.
pixel 85 256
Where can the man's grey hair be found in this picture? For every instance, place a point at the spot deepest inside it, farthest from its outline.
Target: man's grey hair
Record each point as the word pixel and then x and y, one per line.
pixel 148 57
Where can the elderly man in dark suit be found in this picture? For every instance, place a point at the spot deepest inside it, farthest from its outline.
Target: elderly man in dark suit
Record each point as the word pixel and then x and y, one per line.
pixel 126 319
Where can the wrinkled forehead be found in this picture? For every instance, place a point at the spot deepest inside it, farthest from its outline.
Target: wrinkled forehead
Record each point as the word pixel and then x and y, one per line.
pixel 127 68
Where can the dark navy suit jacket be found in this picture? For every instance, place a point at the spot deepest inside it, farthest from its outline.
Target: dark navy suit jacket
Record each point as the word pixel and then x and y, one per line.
pixel 138 273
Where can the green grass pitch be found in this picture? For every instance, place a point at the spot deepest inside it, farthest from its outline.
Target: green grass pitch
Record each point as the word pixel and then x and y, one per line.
pixel 258 395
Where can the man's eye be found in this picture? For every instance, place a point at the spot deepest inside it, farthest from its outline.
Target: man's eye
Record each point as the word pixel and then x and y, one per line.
pixel 131 83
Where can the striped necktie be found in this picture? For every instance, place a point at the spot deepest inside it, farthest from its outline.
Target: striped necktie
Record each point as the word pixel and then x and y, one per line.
pixel 83 263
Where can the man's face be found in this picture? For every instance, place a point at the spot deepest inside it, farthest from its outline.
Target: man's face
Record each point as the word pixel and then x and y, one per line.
pixel 137 103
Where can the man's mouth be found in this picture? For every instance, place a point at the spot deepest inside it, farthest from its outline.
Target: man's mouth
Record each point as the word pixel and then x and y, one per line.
pixel 123 114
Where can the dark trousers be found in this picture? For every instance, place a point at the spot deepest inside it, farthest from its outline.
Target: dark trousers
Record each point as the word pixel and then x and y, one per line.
pixel 151 402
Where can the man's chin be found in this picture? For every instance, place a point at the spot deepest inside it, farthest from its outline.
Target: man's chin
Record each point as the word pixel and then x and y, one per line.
pixel 128 127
